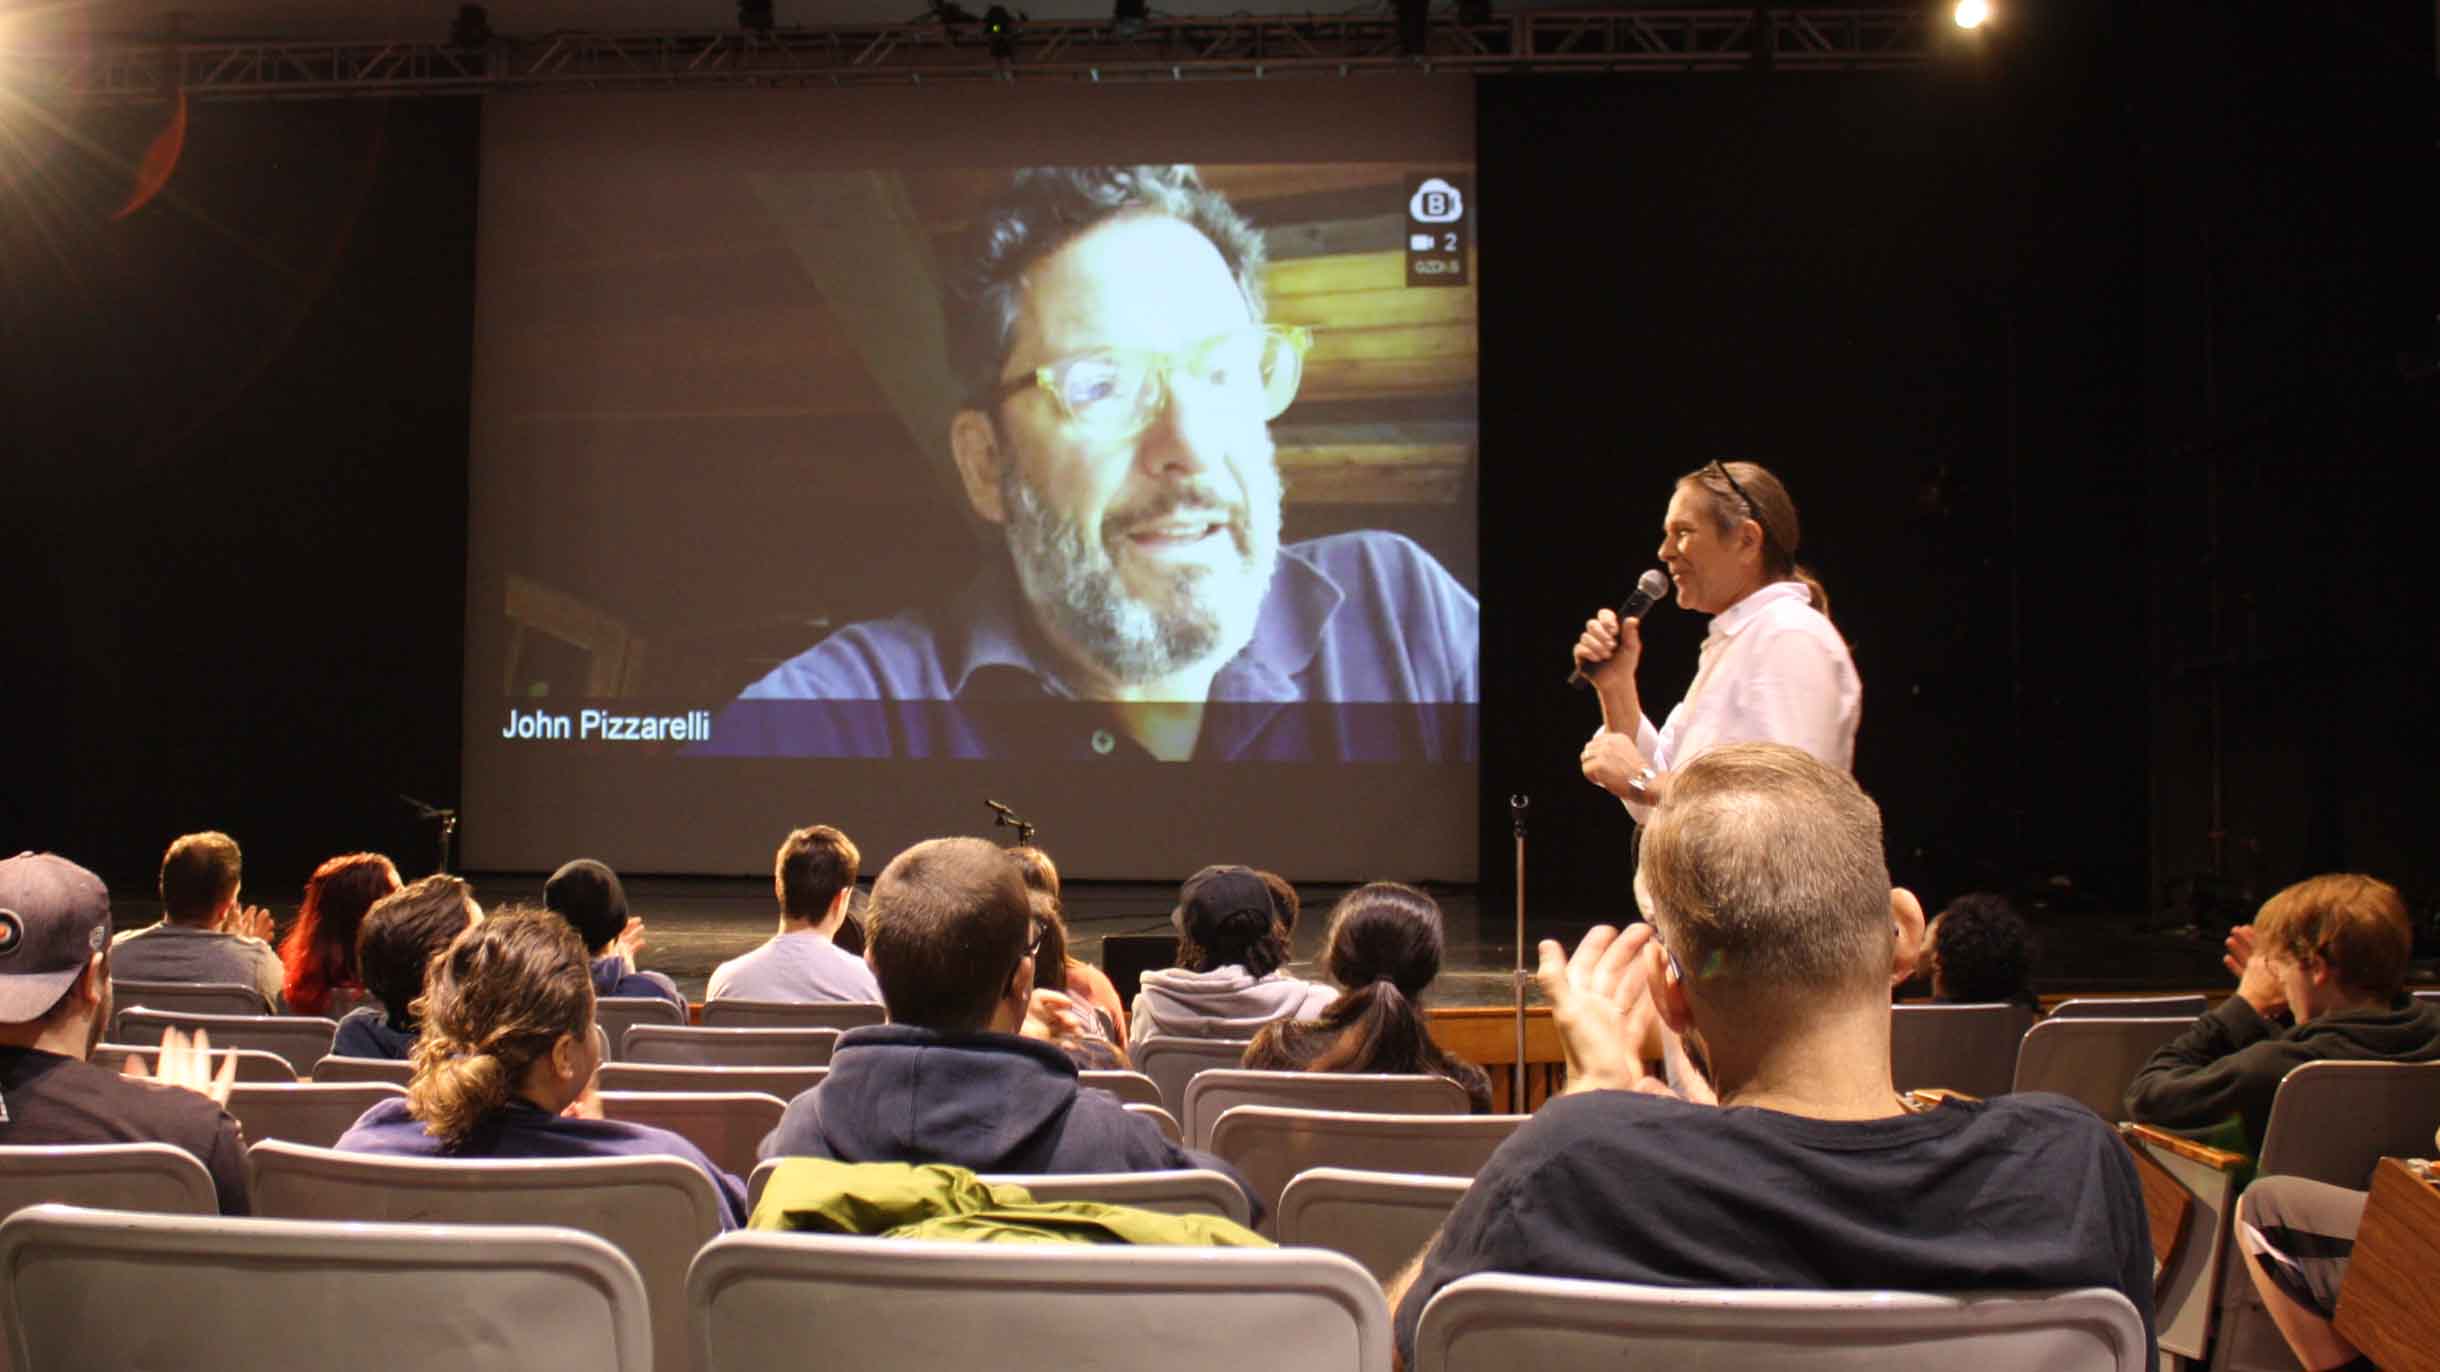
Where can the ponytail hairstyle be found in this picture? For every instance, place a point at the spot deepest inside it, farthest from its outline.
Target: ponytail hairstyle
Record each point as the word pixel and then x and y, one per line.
pixel 495 1002
pixel 1739 491
pixel 1385 948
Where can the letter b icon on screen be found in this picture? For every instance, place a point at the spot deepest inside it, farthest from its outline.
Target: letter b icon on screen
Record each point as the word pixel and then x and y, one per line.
pixel 1436 202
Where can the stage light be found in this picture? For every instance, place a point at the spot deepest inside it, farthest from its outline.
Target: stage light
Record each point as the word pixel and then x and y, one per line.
pixel 1970 14
pixel 471 28
pixel 1129 16
pixel 755 16
pixel 1000 30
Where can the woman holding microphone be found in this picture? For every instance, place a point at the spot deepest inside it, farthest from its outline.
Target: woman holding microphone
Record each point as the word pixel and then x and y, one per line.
pixel 1773 668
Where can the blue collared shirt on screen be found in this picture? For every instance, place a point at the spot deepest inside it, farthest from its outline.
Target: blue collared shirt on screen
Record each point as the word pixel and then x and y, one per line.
pixel 1366 650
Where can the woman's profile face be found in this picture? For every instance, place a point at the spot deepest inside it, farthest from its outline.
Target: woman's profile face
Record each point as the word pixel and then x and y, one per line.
pixel 1711 570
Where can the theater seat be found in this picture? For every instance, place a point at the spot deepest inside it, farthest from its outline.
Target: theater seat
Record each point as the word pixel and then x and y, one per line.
pixel 126 1176
pixel 301 1039
pixel 614 1015
pixel 687 1045
pixel 762 1301
pixel 2092 1060
pixel 102 1288
pixel 2133 1007
pixel 396 1071
pixel 311 1113
pixel 1270 1146
pixel 1494 1322
pixel 726 1125
pixel 783 1014
pixel 253 1064
pixel 1214 1091
pixel 656 1210
pixel 188 997
pixel 1172 1062
pixel 1380 1219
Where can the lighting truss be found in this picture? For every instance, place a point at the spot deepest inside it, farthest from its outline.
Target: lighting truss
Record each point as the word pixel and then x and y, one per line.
pixel 1235 48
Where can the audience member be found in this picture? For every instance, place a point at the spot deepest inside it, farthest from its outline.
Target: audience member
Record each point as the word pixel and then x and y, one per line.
pixel 204 934
pixel 1285 900
pixel 400 936
pixel 587 894
pixel 1981 952
pixel 1075 978
pixel 1774 937
pixel 2299 1236
pixel 505 1065
pixel 1075 1025
pixel 949 1079
pixel 54 1004
pixel 814 875
pixel 319 954
pixel 1229 981
pixel 2321 974
pixel 1384 947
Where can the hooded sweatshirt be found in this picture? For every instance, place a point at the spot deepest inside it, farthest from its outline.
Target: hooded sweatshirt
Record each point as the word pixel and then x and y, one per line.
pixel 2229 1065
pixel 1223 1003
pixel 995 1104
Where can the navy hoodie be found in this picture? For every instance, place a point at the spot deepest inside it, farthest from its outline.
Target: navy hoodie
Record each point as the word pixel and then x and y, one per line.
pixel 991 1103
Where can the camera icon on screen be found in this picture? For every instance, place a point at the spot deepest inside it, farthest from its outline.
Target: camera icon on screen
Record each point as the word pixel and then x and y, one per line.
pixel 1421 242
pixel 1436 202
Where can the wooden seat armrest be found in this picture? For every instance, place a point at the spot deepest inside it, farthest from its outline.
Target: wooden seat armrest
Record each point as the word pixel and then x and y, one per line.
pixel 2183 1147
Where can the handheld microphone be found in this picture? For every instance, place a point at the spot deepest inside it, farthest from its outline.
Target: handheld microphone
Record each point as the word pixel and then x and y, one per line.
pixel 1649 588
pixel 1001 810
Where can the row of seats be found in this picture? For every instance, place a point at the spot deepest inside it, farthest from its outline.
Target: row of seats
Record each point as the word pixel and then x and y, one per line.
pixel 1990 1050
pixel 240 1294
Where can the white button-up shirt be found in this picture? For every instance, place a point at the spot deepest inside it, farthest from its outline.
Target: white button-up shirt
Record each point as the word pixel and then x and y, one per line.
pixel 1773 670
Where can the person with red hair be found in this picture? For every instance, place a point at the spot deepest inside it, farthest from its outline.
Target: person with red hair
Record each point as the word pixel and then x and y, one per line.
pixel 319 954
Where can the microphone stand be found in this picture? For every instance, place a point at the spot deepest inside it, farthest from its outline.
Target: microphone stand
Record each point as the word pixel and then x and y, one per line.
pixel 1004 818
pixel 1516 810
pixel 447 819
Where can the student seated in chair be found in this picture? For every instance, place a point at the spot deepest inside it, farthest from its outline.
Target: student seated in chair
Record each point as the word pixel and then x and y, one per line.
pixel 2321 976
pixel 813 876
pixel 1384 947
pixel 588 895
pixel 505 1066
pixel 400 936
pixel 54 1004
pixel 951 1078
pixel 1774 933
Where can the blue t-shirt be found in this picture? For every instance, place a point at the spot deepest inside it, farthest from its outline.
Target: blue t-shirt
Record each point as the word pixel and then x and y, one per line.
pixel 524 1130
pixel 1365 650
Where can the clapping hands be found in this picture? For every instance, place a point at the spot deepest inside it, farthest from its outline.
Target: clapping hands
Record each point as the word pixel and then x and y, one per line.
pixel 188 1063
pixel 1609 1028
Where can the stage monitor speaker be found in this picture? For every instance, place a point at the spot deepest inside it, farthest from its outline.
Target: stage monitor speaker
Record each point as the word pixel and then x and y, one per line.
pixel 1126 957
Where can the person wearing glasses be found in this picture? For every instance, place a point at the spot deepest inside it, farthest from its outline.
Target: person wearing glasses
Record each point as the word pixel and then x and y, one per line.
pixel 1118 380
pixel 1773 670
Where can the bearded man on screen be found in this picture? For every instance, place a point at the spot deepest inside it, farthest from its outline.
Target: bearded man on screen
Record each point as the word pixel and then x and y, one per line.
pixel 1119 381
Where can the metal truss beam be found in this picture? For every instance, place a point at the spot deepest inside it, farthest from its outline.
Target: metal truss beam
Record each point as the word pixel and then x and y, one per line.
pixel 1240 48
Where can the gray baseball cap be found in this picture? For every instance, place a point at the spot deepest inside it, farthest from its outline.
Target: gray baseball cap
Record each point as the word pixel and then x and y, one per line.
pixel 54 916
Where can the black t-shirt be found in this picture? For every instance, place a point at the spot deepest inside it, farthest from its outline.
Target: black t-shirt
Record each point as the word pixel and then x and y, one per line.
pixel 2017 1193
pixel 46 1098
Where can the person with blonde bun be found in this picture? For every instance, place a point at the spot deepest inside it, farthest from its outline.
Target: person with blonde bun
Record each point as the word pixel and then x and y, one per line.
pixel 505 1066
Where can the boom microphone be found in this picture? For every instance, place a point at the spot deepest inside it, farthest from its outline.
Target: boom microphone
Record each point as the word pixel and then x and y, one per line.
pixel 1649 588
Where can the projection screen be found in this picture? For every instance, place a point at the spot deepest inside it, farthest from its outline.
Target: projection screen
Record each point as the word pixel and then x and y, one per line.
pixel 862 456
